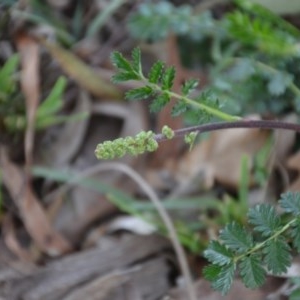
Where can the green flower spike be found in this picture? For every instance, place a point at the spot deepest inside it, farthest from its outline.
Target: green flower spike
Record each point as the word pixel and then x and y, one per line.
pixel 141 143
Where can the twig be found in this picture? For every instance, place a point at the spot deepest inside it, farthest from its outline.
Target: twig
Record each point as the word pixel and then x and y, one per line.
pixel 156 202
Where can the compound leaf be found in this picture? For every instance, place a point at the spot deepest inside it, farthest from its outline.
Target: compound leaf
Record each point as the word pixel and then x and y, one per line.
pixel 290 202
pixel 252 272
pixel 236 237
pixel 264 219
pixel 277 256
pixel 168 78
pixel 156 72
pixel 218 254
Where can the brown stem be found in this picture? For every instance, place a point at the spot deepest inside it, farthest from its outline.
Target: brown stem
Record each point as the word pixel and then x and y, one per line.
pixel 263 124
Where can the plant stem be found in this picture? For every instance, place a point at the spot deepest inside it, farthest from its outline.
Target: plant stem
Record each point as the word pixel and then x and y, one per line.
pixel 213 111
pixel 261 245
pixel 210 110
pixel 262 124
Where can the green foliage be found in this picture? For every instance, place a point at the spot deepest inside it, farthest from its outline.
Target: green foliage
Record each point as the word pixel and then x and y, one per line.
pixel 250 53
pixel 156 72
pixel 12 107
pixel 252 272
pixel 265 243
pixel 290 202
pixel 236 237
pixel 264 219
pixel 154 21
pixel 253 56
pixel 158 85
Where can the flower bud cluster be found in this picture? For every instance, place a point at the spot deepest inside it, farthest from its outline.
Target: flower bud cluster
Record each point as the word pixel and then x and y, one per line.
pixel 142 142
pixel 168 132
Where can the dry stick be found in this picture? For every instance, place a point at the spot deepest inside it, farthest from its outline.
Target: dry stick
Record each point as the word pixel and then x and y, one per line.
pixel 159 207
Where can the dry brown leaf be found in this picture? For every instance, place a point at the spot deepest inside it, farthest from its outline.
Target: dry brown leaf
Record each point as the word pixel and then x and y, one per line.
pixel 29 53
pixel 31 211
pixel 11 241
pixel 219 156
pixel 82 73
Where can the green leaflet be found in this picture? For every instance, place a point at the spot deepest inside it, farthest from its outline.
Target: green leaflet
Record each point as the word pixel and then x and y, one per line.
pixel 189 86
pixel 139 93
pixel 290 202
pixel 136 60
pixel 235 237
pixel 252 272
pixel 277 256
pixel 295 235
pixel 156 72
pixel 264 219
pixel 218 254
pixel 168 78
pixel 120 62
pixel 224 279
pixel 159 102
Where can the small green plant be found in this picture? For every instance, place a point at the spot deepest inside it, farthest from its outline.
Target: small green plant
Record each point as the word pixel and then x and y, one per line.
pixel 262 48
pixel 249 54
pixel 12 108
pixel 264 246
pixel 239 249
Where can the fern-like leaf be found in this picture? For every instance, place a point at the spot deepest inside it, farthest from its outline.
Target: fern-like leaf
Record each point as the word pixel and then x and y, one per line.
pixel 156 72
pixel 290 202
pixel 264 219
pixel 236 237
pixel 218 254
pixel 277 255
pixel 252 272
